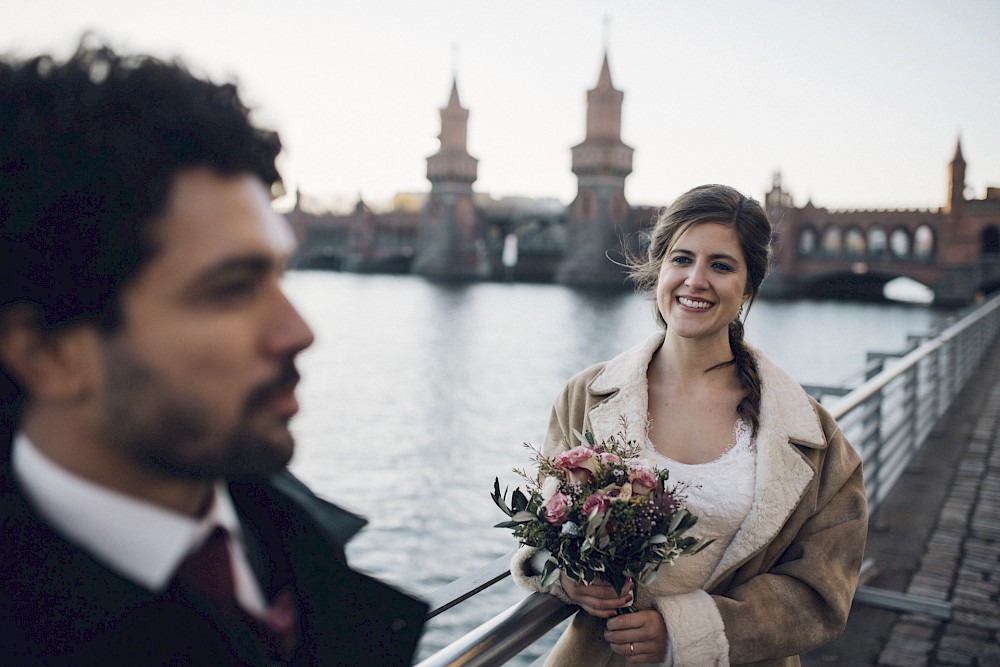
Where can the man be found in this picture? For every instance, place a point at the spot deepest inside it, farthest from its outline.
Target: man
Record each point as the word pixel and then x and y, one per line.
pixel 148 378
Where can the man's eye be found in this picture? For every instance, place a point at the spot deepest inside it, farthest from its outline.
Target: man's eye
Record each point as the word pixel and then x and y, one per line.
pixel 234 290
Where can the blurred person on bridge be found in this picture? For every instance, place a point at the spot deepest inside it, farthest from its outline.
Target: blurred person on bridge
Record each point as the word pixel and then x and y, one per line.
pixel 148 379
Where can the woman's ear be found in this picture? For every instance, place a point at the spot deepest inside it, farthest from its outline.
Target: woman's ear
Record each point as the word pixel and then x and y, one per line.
pixel 60 365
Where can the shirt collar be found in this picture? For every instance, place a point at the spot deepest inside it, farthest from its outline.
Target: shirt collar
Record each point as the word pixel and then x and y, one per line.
pixel 141 541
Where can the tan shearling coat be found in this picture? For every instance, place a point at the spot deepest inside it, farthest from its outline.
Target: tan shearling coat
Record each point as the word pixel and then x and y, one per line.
pixel 785 583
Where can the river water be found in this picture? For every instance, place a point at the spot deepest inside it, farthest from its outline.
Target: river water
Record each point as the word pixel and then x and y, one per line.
pixel 416 395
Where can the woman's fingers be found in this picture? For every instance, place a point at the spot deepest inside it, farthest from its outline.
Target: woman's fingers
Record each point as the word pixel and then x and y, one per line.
pixel 640 637
pixel 597 599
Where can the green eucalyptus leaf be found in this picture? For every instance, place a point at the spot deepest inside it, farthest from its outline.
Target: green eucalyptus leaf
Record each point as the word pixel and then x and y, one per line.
pixel 499 498
pixel 518 500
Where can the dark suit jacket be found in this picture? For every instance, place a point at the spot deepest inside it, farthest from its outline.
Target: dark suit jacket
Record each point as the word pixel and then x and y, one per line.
pixel 59 606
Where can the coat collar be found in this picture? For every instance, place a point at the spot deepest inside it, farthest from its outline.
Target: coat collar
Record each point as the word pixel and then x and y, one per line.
pixel 787 419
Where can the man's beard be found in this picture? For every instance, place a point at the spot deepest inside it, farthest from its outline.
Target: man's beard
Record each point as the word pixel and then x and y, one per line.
pixel 170 431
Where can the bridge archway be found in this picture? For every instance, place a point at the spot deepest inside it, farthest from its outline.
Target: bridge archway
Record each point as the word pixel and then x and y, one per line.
pixel 807 241
pixel 868 286
pixel 924 244
pixel 832 241
pixel 855 244
pixel 878 242
pixel 899 243
pixel 989 240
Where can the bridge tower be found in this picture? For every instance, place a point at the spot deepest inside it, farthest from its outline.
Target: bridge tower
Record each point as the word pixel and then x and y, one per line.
pixel 956 244
pixel 956 180
pixel 598 218
pixel 450 245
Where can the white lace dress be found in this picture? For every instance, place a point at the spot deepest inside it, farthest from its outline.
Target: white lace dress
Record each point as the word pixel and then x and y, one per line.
pixel 720 494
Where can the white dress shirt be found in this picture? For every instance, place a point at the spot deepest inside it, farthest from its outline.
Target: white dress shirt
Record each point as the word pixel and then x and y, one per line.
pixel 139 540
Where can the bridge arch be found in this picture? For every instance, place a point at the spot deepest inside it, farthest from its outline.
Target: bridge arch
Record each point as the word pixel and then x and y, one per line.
pixel 924 243
pixel 844 284
pixel 855 244
pixel 878 242
pixel 899 243
pixel 989 240
pixel 832 240
pixel 807 241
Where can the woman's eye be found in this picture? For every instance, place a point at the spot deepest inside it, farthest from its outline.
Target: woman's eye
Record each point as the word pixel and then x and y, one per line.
pixel 681 259
pixel 722 266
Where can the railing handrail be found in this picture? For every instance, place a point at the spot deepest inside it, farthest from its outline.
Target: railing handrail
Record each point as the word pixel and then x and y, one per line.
pixel 507 634
pixel 465 587
pixel 869 388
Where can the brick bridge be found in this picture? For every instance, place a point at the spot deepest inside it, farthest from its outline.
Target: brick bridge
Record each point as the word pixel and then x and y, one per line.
pixel 953 250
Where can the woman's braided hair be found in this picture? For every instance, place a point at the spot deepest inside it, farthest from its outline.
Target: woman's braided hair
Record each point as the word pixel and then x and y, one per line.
pixel 724 205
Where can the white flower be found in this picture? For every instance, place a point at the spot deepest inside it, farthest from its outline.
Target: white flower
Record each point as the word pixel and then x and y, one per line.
pixel 570 528
pixel 550 487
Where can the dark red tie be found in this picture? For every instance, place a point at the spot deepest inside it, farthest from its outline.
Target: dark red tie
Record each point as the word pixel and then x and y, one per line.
pixel 206 572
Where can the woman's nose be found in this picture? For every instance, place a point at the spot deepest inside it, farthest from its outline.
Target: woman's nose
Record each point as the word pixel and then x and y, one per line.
pixel 696 277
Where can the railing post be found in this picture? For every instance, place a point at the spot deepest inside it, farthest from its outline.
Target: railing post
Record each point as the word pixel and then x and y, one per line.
pixel 911 408
pixel 871 421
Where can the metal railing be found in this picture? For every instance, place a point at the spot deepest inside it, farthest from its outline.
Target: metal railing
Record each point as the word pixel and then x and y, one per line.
pixel 887 418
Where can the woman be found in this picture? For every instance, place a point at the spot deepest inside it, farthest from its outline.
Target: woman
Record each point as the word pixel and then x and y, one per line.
pixel 771 477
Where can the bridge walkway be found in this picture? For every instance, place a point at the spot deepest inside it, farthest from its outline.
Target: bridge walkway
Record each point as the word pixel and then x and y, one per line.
pixel 938 536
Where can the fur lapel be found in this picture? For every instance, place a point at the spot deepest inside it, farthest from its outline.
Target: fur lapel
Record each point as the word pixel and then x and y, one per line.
pixel 786 417
pixel 623 379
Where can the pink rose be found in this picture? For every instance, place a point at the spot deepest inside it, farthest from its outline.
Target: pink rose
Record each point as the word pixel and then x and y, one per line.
pixel 609 458
pixel 594 503
pixel 643 481
pixel 579 464
pixel 556 508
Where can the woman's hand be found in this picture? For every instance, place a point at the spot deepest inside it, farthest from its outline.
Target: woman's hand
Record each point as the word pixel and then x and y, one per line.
pixel 640 637
pixel 598 599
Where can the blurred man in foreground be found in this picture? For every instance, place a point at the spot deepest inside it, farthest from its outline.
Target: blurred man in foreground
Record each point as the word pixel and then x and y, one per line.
pixel 148 378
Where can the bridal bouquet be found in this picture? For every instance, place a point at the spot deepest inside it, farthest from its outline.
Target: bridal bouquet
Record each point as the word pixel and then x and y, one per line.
pixel 601 512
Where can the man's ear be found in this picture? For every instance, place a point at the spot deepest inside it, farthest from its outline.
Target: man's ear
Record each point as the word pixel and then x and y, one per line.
pixel 58 365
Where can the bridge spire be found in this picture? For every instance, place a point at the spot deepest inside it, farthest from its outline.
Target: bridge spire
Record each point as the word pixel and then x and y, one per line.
pixel 956 180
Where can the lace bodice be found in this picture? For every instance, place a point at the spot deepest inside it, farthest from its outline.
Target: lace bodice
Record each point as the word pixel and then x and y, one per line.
pixel 720 494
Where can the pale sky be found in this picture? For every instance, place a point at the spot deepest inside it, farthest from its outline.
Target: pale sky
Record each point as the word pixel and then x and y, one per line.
pixel 857 102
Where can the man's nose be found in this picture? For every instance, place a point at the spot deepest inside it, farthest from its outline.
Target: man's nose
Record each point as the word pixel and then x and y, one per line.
pixel 288 333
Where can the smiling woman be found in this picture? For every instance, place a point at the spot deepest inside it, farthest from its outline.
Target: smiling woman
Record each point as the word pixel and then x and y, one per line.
pixel 780 488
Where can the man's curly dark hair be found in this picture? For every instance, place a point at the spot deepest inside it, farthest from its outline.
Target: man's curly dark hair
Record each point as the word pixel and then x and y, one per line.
pixel 89 148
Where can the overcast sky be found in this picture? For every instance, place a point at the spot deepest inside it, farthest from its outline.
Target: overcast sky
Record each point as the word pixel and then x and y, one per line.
pixel 858 103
